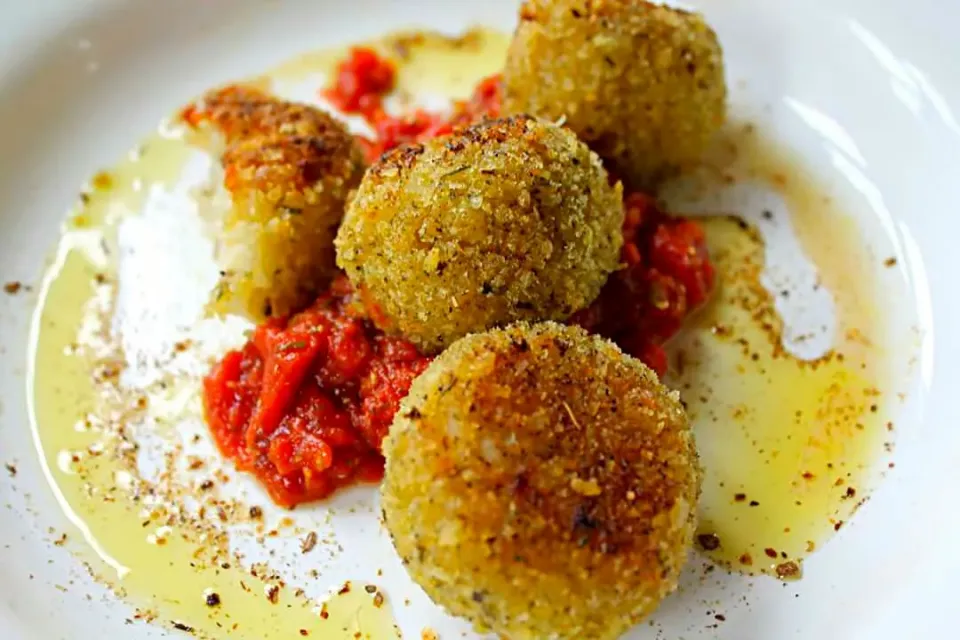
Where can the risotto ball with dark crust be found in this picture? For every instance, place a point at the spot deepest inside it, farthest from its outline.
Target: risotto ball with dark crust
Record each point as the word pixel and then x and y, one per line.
pixel 506 220
pixel 542 484
pixel 287 170
pixel 642 84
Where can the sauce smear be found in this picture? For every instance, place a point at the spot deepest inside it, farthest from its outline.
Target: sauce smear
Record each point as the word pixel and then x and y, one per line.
pixel 364 78
pixel 305 404
pixel 666 275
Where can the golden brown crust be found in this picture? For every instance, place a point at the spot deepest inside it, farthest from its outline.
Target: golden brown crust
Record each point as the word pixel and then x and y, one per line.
pixel 289 152
pixel 288 169
pixel 396 160
pixel 240 112
pixel 559 478
pixel 506 220
pixel 642 84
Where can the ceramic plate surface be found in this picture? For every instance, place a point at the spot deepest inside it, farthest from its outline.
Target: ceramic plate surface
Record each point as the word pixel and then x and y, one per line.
pixel 866 92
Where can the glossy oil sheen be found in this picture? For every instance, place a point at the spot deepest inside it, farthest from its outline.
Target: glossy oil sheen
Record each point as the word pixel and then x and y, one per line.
pixel 790 435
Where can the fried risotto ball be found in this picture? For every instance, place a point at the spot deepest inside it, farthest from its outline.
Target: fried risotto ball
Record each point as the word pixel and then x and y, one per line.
pixel 506 220
pixel 287 169
pixel 542 484
pixel 642 84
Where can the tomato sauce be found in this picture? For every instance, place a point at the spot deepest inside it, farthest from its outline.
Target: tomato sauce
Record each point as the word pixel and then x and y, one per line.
pixel 362 81
pixel 666 274
pixel 305 404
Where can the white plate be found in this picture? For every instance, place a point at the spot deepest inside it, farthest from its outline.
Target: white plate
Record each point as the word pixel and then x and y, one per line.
pixel 80 82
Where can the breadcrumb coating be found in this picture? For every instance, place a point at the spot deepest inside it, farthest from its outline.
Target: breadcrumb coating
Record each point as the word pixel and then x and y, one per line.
pixel 506 220
pixel 542 484
pixel 642 84
pixel 288 169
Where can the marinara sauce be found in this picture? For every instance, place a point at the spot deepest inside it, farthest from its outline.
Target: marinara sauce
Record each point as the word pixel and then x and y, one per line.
pixel 305 404
pixel 364 78
pixel 666 273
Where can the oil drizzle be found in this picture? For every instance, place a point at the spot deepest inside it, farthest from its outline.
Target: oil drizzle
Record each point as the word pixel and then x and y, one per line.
pixel 788 446
pixel 753 441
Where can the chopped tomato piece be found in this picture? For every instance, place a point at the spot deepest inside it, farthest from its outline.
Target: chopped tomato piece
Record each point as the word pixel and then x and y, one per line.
pixel 667 274
pixel 305 404
pixel 361 81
